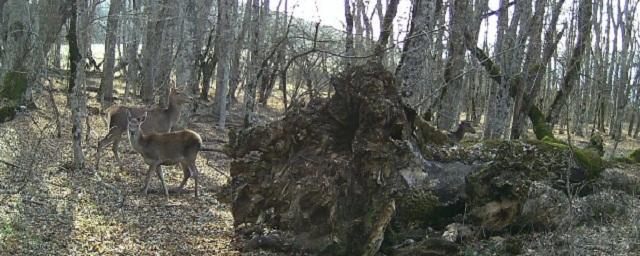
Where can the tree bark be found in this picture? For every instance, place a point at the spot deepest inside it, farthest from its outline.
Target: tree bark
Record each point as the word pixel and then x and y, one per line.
pixel 453 92
pixel 414 63
pixel 234 72
pixel 574 65
pixel 151 51
pixel 226 9
pixel 254 64
pixel 349 50
pixel 77 39
pixel 106 83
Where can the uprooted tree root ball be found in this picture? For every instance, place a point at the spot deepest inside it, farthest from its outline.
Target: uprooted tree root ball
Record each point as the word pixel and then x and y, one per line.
pixel 337 175
pixel 329 174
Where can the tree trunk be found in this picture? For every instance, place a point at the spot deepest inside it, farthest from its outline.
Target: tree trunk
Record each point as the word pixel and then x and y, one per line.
pixel 254 64
pixel 226 10
pixel 623 80
pixel 574 65
pixel 234 72
pixel 498 103
pixel 453 92
pixel 387 30
pixel 77 39
pixel 106 83
pixel 414 62
pixel 349 50
pixel 151 51
pixel 131 52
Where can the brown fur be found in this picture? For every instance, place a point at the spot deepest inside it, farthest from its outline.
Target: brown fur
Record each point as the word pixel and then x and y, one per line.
pixel 157 149
pixel 159 120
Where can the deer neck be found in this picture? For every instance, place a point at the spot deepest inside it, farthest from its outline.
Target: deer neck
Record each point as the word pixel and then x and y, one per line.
pixel 173 110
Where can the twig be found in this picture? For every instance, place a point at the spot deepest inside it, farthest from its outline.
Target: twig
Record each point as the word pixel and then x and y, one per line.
pixel 218 171
pixel 9 164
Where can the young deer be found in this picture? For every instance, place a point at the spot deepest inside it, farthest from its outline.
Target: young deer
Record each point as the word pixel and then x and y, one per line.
pixel 157 149
pixel 159 120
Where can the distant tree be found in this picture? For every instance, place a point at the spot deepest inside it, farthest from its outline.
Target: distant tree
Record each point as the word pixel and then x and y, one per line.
pixel 106 83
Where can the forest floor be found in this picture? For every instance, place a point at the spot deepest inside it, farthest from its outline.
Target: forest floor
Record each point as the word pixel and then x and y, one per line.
pixel 46 208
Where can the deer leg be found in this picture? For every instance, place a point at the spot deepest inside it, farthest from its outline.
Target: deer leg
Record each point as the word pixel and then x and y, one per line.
pixel 195 174
pixel 186 173
pixel 114 148
pixel 109 138
pixel 161 177
pixel 146 180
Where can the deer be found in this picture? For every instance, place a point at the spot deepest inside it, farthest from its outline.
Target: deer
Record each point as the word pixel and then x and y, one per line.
pixel 458 134
pixel 159 120
pixel 162 149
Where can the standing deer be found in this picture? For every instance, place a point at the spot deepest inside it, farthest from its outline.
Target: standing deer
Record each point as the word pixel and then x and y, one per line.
pixel 159 120
pixel 157 149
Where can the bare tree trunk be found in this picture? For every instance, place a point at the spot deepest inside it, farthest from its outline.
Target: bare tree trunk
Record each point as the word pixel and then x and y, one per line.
pixel 106 83
pixel 414 63
pixel 349 50
pixel 533 67
pixel 77 39
pixel 234 72
pixel 57 53
pixel 498 103
pixel 227 9
pixel 254 64
pixel 574 65
pixel 623 81
pixel 387 30
pixel 151 51
pixel 131 52
pixel 452 94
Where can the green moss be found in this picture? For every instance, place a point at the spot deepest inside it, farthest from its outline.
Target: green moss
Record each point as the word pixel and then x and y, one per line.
pixel 7 113
pixel 591 161
pixel 14 86
pixel 626 160
pixel 554 142
pixel 540 127
pixel 596 143
pixel 635 156
pixel 428 134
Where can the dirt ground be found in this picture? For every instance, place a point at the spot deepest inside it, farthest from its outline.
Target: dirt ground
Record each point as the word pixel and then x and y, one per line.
pixel 45 208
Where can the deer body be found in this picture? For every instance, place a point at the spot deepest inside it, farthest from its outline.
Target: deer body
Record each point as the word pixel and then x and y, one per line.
pixel 158 149
pixel 159 120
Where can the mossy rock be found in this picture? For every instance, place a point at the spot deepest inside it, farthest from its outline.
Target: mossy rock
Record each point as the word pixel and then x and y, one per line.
pixel 14 86
pixel 635 156
pixel 597 143
pixel 7 113
pixel 498 191
pixel 590 160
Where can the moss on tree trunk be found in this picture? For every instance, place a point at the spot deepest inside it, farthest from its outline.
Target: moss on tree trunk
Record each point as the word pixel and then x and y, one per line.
pixel 13 88
pixel 540 126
